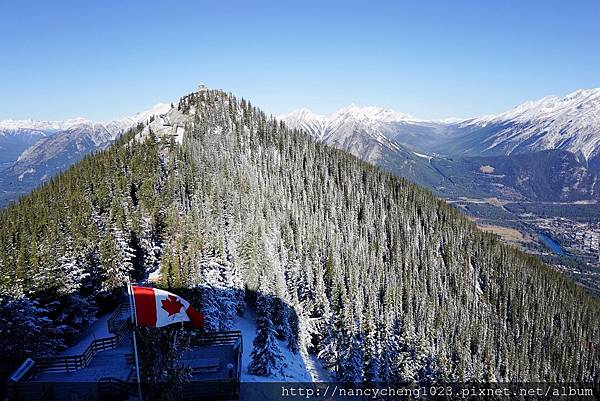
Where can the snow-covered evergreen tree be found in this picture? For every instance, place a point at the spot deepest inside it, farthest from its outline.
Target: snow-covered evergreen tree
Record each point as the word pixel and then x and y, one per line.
pixel 220 294
pixel 116 259
pixel 266 355
pixel 25 331
pixel 372 351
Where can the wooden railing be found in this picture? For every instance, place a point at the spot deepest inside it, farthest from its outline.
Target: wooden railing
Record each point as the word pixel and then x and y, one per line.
pixel 112 389
pixel 220 338
pixel 233 338
pixel 76 362
pixel 120 314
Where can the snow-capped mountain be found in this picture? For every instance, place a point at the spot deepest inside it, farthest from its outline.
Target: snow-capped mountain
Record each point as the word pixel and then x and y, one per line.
pixel 40 125
pixel 570 123
pixel 324 126
pixel 314 124
pixel 110 129
pixel 60 125
pixel 353 128
pixel 378 135
pixel 16 136
pixel 33 151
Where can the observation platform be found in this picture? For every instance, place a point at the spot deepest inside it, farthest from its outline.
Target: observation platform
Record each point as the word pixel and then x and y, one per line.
pixel 104 369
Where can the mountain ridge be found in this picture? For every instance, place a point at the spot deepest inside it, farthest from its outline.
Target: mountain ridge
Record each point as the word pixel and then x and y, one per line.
pixel 571 123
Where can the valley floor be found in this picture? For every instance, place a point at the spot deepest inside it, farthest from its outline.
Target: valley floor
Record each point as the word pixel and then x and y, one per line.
pixel 565 235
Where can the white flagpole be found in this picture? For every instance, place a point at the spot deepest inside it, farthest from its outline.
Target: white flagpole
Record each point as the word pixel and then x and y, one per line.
pixel 134 324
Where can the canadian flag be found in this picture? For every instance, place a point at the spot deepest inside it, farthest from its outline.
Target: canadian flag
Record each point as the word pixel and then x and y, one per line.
pixel 158 308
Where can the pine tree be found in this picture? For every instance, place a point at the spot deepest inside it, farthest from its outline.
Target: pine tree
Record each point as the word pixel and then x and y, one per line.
pixel 372 355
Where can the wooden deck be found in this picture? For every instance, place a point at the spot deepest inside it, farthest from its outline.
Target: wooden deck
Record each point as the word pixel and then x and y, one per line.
pixel 105 369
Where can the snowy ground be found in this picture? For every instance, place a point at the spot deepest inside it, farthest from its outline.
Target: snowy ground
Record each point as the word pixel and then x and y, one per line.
pixel 97 330
pixel 296 367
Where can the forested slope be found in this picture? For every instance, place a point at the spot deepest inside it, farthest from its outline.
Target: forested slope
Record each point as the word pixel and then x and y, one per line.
pixel 386 281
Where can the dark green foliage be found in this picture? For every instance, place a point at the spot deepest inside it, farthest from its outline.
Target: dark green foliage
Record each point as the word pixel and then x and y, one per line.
pixel 162 373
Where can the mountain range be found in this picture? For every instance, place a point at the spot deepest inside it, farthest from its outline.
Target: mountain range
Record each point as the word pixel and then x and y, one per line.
pixel 570 123
pixel 476 157
pixel 482 157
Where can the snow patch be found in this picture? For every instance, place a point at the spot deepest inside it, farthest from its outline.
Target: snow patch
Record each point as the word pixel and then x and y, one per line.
pixel 423 156
pixel 295 367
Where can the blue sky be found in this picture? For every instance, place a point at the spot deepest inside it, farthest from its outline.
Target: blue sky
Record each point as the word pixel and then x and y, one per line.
pixel 432 59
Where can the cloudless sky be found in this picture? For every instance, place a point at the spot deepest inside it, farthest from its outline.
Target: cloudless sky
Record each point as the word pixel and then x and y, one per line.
pixel 432 59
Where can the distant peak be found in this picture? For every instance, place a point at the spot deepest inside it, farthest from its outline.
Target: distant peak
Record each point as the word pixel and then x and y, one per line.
pixel 583 94
pixel 43 124
pixel 159 108
pixel 372 113
pixel 451 120
pixel 376 113
pixel 548 107
pixel 302 113
pixel 60 125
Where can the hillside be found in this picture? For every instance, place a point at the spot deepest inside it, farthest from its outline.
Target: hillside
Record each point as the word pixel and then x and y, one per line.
pixel 374 275
pixel 539 157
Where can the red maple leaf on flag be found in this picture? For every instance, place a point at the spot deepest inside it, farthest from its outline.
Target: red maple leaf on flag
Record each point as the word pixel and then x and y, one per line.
pixel 171 305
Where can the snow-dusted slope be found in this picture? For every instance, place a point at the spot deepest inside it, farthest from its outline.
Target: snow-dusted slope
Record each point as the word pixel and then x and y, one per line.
pixel 127 122
pixel 571 123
